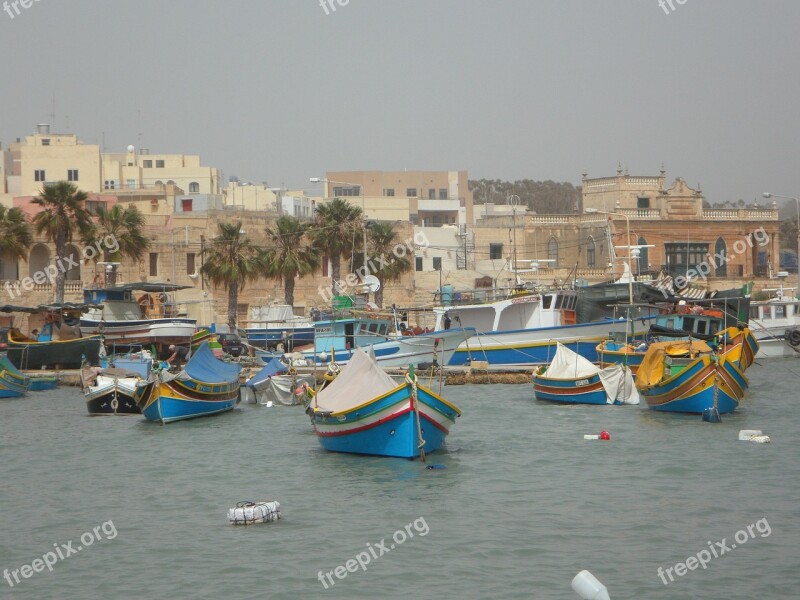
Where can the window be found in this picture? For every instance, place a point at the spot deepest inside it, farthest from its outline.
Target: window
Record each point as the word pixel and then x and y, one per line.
pixel 720 258
pixel 442 193
pixel 389 192
pixel 418 260
pixel 552 252
pixel 643 260
pixel 93 205
pixel 190 270
pixel 431 194
pixel 437 263
pixel 147 164
pixel 411 192
pixel 643 202
pixel 153 264
pixel 159 164
pixel 591 248
pixel 682 256
pixel 130 183
pixel 194 188
pixel 38 175
pixel 46 142
pixel 495 251
pixel 346 191
pixel 72 175
pixel 186 205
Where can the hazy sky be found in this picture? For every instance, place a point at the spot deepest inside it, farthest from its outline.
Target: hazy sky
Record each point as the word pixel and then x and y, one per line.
pixel 279 91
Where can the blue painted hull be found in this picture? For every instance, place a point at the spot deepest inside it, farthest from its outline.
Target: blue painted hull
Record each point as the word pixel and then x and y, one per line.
pixel 166 409
pixel 264 338
pixel 42 384
pixel 538 353
pixel 587 390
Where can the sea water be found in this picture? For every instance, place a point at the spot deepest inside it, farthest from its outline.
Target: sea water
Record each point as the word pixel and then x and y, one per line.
pixel 517 505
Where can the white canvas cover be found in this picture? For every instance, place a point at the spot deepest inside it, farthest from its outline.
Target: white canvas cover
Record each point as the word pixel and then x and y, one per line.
pixel 278 389
pixel 361 380
pixel 255 512
pixel 618 384
pixel 567 364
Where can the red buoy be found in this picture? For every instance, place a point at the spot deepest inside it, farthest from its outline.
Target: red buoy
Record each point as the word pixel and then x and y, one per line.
pixel 604 435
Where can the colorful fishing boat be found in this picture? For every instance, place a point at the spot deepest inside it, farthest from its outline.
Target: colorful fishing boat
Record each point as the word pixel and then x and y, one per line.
pixel 739 345
pixel 572 379
pixel 687 376
pixel 111 391
pixel 205 386
pixel 203 334
pixel 13 383
pixel 619 350
pixel 364 411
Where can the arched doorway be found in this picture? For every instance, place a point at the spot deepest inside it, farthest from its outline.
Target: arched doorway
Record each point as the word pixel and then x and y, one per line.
pixel 38 260
pixel 720 258
pixel 591 250
pixel 552 253
pixel 72 264
pixel 643 262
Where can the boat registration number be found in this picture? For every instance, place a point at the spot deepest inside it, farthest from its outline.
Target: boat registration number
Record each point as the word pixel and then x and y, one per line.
pixel 582 382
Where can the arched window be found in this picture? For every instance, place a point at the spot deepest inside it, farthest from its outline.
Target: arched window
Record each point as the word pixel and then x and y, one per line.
pixel 9 267
pixel 38 260
pixel 73 262
pixel 643 262
pixel 552 252
pixel 720 258
pixel 591 249
pixel 194 188
pixel 159 183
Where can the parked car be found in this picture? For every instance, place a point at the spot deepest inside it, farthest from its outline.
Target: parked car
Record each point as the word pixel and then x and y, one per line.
pixel 232 344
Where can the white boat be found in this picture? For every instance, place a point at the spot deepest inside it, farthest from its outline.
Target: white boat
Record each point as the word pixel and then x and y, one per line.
pixel 525 328
pixel 127 319
pixel 111 391
pixel 276 324
pixel 775 323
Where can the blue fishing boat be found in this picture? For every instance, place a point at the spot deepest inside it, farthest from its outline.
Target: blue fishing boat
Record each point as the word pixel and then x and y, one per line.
pixel 340 337
pixel 205 386
pixel 570 378
pixel 13 383
pixel 277 324
pixel 364 411
pixel 41 383
pixel 688 376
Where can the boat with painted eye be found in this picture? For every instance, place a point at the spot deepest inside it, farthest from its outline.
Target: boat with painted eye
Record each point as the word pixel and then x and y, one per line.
pixel 13 383
pixel 364 411
pixel 205 386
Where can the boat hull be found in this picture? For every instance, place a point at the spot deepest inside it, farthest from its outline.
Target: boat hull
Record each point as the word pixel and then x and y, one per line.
pixel 702 385
pixel 60 354
pixel 145 331
pixel 165 402
pixel 586 390
pixel 269 338
pixel 13 384
pixel 615 354
pixel 112 396
pixel 388 425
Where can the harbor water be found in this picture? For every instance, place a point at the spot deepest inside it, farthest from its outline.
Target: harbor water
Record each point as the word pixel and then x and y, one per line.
pixel 518 504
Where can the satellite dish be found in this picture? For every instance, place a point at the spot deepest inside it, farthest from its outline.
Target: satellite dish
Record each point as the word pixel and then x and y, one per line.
pixel 372 284
pixel 131 148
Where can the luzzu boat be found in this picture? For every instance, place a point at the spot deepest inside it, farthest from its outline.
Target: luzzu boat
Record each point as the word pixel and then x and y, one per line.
pixel 13 383
pixel 205 386
pixel 112 393
pixel 364 411
pixel 687 376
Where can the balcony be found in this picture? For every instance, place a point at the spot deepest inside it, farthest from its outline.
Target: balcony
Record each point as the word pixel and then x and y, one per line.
pixel 740 214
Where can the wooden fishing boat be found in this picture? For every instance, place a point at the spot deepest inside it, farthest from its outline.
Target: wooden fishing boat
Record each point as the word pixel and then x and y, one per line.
pixel 687 376
pixel 364 411
pixel 205 386
pixel 112 393
pixel 13 383
pixel 616 351
pixel 572 379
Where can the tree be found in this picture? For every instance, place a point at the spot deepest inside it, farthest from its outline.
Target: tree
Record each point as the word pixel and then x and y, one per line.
pixel 388 264
pixel 125 226
pixel 16 236
pixel 231 260
pixel 63 215
pixel 335 230
pixel 289 254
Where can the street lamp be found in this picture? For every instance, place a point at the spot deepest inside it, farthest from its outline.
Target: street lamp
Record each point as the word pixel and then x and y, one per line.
pixel 768 195
pixel 363 210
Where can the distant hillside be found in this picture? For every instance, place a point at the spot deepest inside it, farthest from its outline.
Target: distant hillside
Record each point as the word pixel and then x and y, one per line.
pixel 542 197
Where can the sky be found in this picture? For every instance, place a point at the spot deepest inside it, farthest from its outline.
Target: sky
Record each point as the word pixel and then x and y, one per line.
pixel 279 91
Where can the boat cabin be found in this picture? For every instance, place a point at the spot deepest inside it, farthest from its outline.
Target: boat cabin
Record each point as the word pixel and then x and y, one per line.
pixel 346 334
pixel 121 303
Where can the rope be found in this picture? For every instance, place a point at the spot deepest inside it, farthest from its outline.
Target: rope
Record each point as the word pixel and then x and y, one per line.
pixel 410 378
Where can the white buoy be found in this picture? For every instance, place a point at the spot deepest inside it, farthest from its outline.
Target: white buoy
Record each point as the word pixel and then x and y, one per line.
pixel 588 587
pixel 590 436
pixel 249 513
pixel 753 435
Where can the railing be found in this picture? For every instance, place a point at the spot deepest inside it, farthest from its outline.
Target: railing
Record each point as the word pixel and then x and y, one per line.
pixel 17 285
pixel 740 214
pixel 640 213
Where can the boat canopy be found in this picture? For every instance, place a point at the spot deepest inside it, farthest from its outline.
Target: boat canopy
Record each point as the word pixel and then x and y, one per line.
pixel 51 308
pixel 143 286
pixel 360 381
pixel 617 380
pixel 651 371
pixel 204 366
pixel 273 367
pixel 567 364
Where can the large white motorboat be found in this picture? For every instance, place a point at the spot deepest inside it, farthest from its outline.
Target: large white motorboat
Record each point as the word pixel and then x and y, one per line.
pixel 775 322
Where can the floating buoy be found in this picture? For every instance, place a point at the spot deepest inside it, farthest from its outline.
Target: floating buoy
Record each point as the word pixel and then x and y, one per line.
pixel 435 467
pixel 591 436
pixel 250 513
pixel 753 435
pixel 604 435
pixel 588 587
pixel 711 415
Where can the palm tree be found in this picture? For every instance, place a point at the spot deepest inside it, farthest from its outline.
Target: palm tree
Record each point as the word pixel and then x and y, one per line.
pixel 289 254
pixel 124 226
pixel 231 260
pixel 63 215
pixel 334 232
pixel 385 262
pixel 16 236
